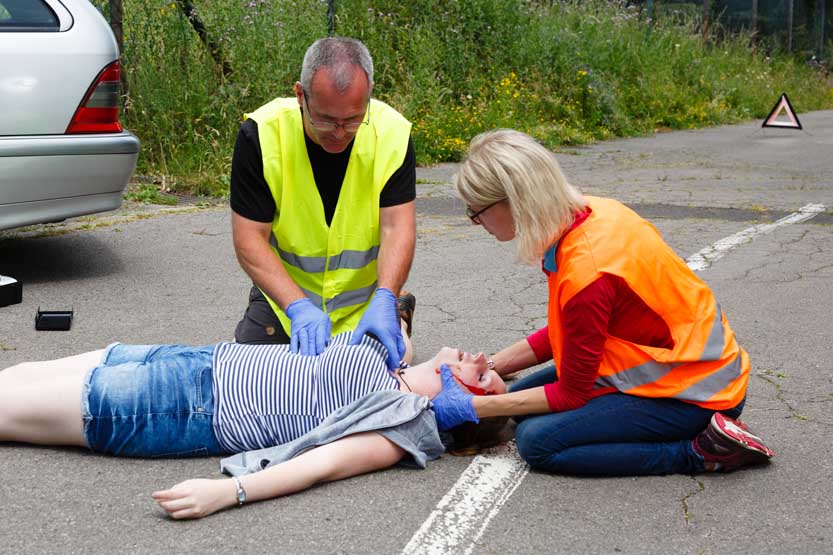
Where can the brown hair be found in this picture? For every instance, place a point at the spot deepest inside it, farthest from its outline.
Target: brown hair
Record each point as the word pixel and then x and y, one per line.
pixel 471 438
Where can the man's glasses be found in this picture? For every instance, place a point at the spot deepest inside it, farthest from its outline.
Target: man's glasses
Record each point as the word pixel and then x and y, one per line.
pixel 475 216
pixel 331 126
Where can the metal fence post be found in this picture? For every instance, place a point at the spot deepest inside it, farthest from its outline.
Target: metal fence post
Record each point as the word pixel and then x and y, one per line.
pixel 331 17
pixel 821 13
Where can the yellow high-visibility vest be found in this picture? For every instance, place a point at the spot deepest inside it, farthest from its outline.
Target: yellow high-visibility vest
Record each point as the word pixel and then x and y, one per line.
pixel 705 366
pixel 334 266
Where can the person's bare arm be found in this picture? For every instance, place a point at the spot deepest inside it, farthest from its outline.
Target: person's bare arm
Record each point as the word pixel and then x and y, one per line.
pixel 514 358
pixel 256 257
pixel 397 238
pixel 344 458
pixel 527 401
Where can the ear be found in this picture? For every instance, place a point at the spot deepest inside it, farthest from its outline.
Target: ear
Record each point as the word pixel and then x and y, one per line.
pixel 299 93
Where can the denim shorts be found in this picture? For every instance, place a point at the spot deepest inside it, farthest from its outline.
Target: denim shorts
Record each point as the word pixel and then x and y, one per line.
pixel 151 401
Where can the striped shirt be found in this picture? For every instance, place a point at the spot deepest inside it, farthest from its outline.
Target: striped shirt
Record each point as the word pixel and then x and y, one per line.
pixel 266 395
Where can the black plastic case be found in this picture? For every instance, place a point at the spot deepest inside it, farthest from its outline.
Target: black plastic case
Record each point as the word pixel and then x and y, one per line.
pixel 59 320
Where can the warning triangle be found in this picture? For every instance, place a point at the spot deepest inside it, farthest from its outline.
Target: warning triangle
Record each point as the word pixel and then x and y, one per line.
pixel 790 119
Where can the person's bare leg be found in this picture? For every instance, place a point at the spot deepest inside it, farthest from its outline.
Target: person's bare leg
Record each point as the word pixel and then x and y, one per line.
pixel 40 402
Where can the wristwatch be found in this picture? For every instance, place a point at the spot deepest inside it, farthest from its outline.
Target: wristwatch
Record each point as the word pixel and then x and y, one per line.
pixel 241 493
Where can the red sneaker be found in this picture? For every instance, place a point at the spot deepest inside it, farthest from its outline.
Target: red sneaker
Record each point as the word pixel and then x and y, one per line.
pixel 727 445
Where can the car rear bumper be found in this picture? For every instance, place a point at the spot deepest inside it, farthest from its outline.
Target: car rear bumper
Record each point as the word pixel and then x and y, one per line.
pixel 48 211
pixel 50 178
pixel 69 145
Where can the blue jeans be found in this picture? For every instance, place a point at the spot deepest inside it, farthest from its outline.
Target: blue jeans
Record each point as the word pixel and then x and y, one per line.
pixel 151 401
pixel 613 435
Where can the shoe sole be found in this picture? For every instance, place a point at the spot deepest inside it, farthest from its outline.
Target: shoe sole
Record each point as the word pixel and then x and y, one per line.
pixel 727 428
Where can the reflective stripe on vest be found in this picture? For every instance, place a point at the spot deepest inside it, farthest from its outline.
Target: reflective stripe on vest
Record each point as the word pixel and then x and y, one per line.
pixel 715 344
pixel 348 298
pixel 714 383
pixel 652 371
pixel 347 259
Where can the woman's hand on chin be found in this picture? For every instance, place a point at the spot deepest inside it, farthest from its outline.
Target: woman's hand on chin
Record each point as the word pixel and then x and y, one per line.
pixel 197 498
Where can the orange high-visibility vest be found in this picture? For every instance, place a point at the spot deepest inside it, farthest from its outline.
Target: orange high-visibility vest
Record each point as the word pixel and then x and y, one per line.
pixel 706 366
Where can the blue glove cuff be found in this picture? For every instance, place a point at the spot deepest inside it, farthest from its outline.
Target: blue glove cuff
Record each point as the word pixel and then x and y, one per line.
pixel 384 291
pixel 295 305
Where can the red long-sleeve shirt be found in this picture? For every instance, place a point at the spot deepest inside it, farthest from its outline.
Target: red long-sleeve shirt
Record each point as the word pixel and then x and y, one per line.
pixel 606 307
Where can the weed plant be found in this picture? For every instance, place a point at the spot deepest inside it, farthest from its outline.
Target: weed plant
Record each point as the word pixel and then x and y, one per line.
pixel 566 72
pixel 150 194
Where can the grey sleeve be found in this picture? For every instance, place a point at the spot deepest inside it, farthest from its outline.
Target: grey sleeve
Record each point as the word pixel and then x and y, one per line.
pixel 405 419
pixel 419 438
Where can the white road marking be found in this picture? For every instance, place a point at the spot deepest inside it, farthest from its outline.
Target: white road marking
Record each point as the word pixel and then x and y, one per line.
pixel 707 256
pixel 461 517
pixel 463 514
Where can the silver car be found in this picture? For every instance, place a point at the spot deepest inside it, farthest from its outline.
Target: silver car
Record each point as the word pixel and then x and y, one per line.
pixel 63 152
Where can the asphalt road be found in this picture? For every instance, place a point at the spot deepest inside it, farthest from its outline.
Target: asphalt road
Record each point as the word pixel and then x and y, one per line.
pixel 152 274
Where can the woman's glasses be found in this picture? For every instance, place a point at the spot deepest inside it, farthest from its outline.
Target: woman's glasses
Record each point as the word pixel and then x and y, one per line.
pixel 475 216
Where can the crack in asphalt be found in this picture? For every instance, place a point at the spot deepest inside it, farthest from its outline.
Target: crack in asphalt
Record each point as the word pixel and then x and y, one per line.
pixel 769 377
pixel 701 487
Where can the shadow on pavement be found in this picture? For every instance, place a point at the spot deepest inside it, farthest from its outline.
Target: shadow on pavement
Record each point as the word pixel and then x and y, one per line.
pixel 55 259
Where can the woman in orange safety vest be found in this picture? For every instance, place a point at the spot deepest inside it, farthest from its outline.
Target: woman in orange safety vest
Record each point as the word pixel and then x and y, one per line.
pixel 647 376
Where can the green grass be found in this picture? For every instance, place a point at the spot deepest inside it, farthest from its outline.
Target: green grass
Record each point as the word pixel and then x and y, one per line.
pixel 565 72
pixel 150 194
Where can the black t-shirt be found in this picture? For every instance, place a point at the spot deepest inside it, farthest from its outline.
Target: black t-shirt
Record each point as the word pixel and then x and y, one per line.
pixel 251 198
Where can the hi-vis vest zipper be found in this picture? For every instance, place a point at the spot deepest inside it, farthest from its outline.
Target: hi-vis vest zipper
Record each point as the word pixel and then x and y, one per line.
pixel 706 366
pixel 334 266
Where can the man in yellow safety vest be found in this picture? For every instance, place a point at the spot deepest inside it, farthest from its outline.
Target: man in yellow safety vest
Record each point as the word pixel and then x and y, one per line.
pixel 322 197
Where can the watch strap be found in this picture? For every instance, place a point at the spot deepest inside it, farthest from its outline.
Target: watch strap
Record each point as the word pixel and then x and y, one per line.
pixel 241 493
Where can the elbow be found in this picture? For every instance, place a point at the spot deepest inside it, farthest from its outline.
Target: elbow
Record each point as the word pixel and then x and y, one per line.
pixel 560 398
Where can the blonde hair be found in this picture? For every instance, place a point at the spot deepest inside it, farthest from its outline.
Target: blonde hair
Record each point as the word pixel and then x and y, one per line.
pixel 509 165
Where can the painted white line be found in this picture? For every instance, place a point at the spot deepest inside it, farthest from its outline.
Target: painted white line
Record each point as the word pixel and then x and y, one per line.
pixel 461 517
pixel 463 514
pixel 705 257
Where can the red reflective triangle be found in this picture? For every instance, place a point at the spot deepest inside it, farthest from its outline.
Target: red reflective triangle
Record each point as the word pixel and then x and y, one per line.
pixel 783 105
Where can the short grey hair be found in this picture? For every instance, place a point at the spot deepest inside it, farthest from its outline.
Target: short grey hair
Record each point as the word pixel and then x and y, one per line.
pixel 340 55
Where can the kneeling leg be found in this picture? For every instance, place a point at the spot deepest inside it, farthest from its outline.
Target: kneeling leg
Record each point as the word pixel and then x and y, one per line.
pixel 615 435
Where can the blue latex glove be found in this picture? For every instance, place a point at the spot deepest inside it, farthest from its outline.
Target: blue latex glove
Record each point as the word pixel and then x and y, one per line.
pixel 453 405
pixel 382 320
pixel 311 328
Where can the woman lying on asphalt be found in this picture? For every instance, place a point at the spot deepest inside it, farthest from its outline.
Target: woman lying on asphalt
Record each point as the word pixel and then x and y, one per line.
pixel 648 377
pixel 331 416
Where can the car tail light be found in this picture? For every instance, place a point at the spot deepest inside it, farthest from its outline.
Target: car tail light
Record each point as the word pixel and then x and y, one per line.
pixel 99 111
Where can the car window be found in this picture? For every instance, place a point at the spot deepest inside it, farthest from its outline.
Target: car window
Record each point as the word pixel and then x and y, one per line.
pixel 27 16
